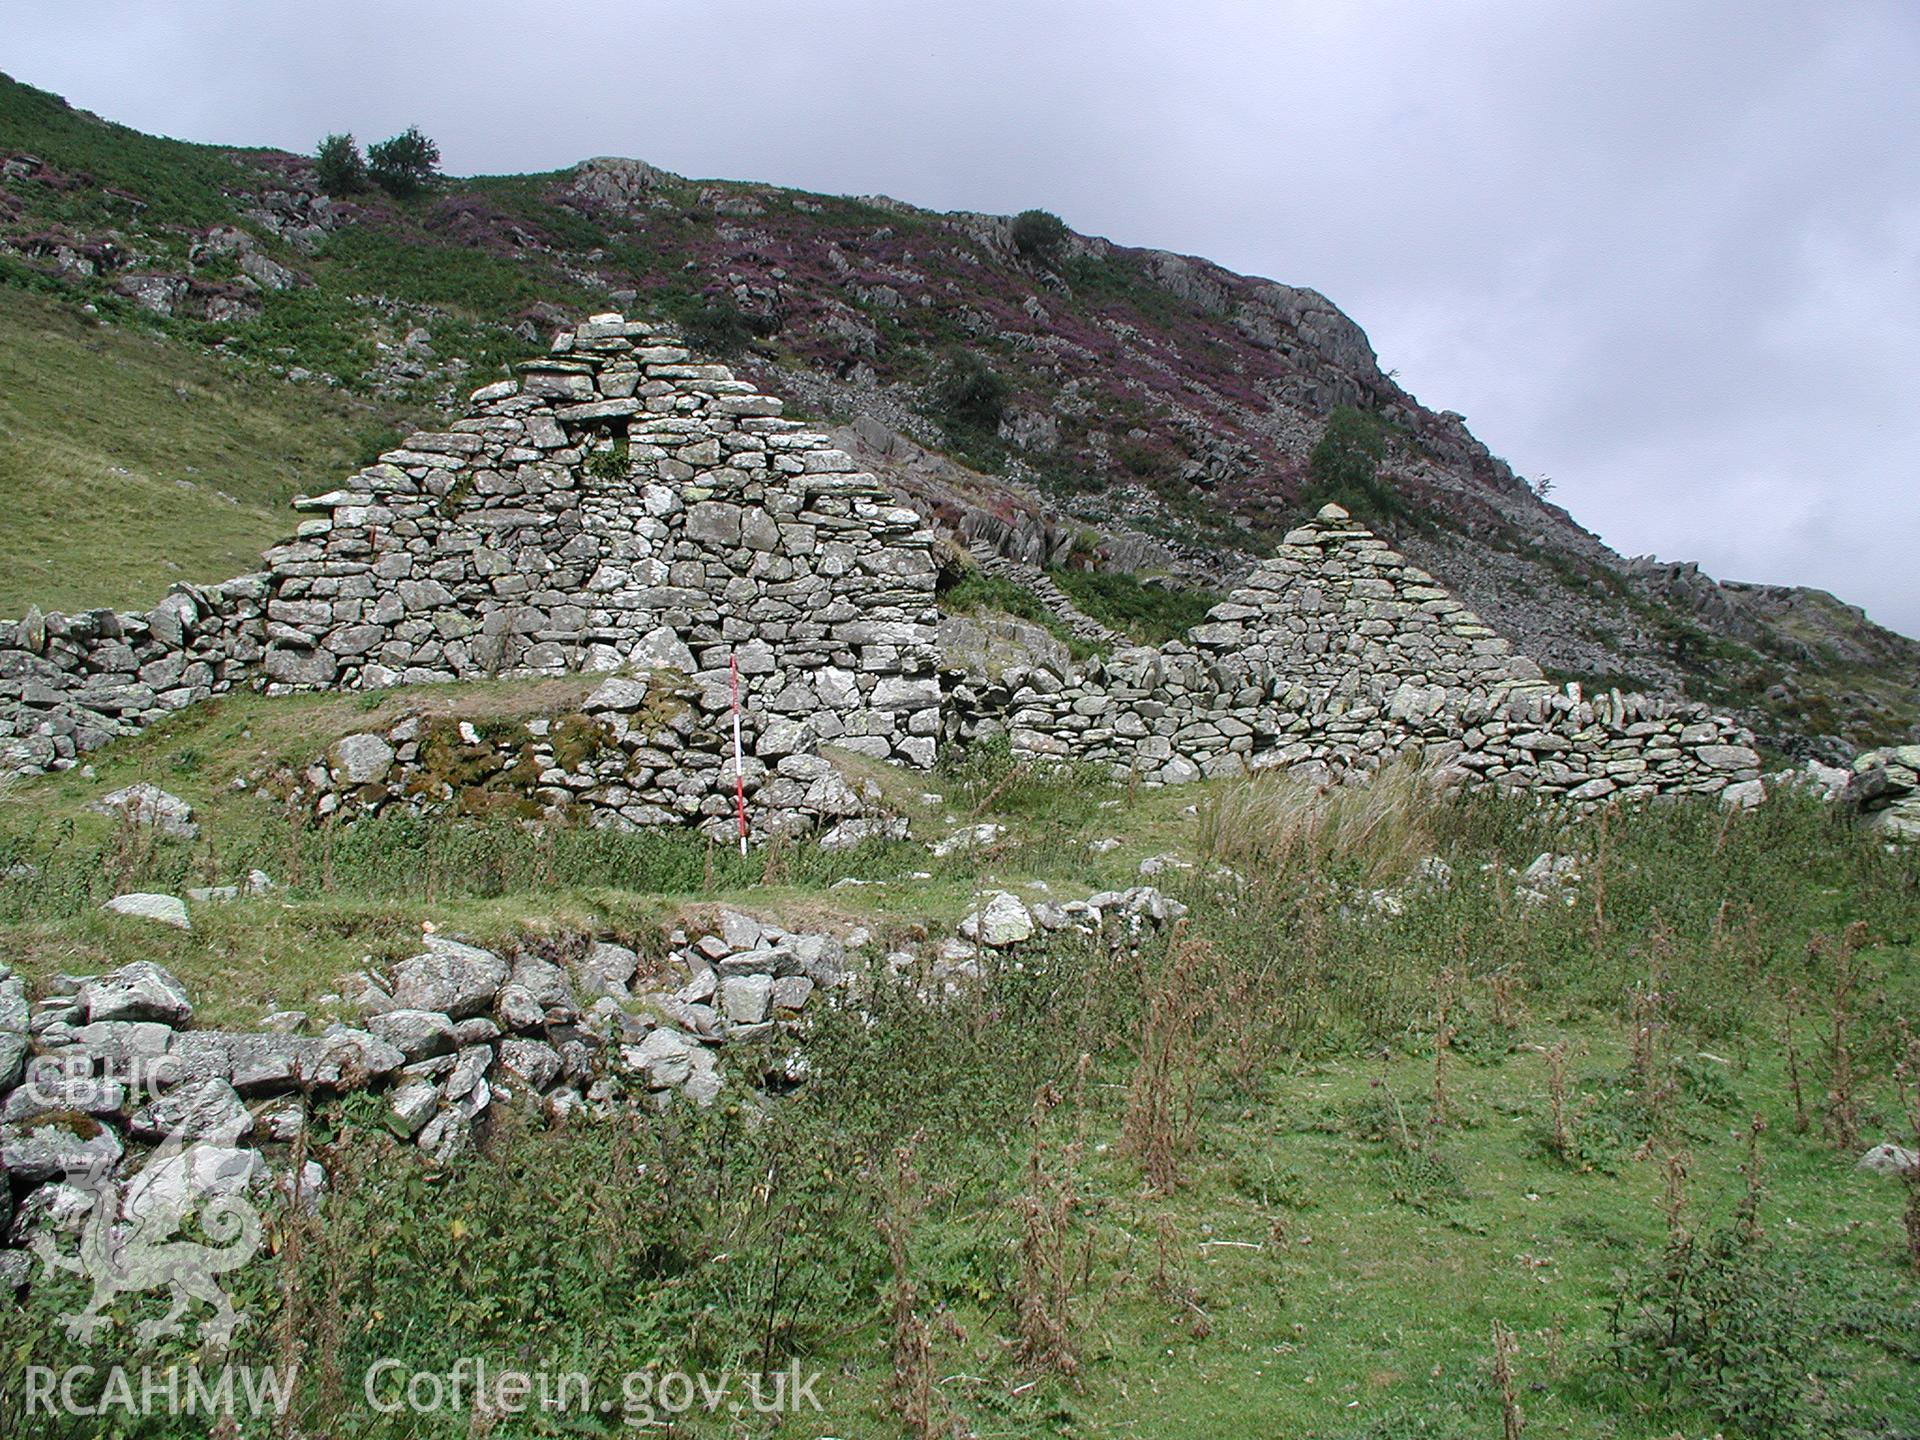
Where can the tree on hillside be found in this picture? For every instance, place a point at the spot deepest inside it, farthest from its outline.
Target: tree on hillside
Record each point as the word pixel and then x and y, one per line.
pixel 343 170
pixel 970 393
pixel 1344 466
pixel 404 165
pixel 1038 235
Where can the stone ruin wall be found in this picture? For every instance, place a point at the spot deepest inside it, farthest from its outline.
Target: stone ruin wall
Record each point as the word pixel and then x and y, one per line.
pixel 620 507
pixel 1337 655
pixel 616 507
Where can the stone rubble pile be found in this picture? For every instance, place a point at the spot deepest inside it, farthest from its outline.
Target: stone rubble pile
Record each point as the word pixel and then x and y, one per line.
pixel 97 1070
pixel 1337 655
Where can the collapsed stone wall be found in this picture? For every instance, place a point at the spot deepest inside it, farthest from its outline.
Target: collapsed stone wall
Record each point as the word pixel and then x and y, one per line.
pixel 618 506
pixel 70 683
pixel 614 506
pixel 109 1076
pixel 1337 655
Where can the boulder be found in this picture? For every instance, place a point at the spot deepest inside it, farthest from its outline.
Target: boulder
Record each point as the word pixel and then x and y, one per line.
pixel 416 1034
pixel 606 968
pixel 411 1105
pixel 664 1058
pixel 207 1109
pixel 535 1062
pixel 171 1185
pixel 518 1008
pixel 457 980
pixel 745 999
pixel 1889 1160
pixel 140 991
pixel 53 1088
pixel 40 1150
pixel 361 759
pixel 165 909
pixel 1002 919
pixel 148 804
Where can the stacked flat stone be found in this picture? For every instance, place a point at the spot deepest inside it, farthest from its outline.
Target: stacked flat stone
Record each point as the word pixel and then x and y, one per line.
pixel 615 505
pixel 638 753
pixel 1336 655
pixel 70 683
pixel 1885 790
pixel 619 504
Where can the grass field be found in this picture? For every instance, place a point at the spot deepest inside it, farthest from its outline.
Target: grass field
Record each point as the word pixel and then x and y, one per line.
pixel 128 462
pixel 1308 1163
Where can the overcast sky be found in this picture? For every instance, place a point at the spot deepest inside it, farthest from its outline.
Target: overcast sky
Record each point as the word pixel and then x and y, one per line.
pixel 1666 253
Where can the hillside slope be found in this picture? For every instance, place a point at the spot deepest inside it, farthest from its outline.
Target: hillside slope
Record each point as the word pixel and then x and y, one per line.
pixel 1053 396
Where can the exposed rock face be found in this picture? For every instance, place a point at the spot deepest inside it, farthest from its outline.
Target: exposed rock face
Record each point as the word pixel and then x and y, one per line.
pixel 1885 789
pixel 613 185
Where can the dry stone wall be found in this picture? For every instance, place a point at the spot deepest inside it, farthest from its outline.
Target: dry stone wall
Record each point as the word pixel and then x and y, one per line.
pixel 620 507
pixel 1336 655
pixel 615 507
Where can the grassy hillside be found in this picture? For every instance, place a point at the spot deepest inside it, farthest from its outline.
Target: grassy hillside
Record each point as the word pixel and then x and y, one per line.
pixel 128 463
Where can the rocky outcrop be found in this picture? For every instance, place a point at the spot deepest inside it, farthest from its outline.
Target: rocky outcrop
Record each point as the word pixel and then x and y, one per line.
pixel 1885 791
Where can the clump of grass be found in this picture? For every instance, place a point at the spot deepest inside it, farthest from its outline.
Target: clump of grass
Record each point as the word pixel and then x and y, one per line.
pixel 1150 614
pixel 1159 1126
pixel 985 778
pixel 1276 830
pixel 1907 1077
pixel 1513 1422
pixel 914 1397
pixel 1051 1274
pixel 1849 976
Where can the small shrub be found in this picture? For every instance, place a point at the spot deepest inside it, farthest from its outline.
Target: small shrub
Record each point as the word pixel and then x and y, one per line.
pixel 404 165
pixel 969 393
pixel 342 168
pixel 610 462
pixel 1344 466
pixel 1729 1322
pixel 1039 235
pixel 715 324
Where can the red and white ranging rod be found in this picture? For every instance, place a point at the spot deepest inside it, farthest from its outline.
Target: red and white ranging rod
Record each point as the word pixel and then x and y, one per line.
pixel 739 765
